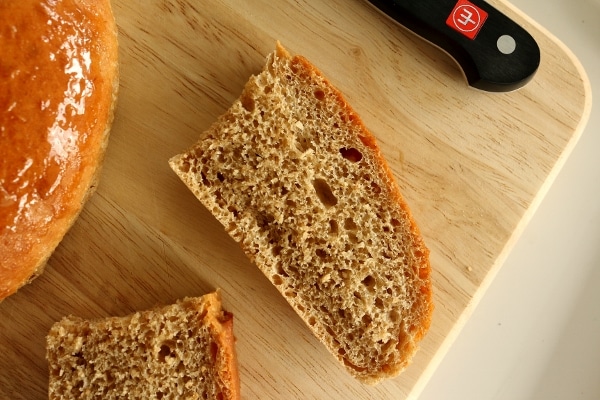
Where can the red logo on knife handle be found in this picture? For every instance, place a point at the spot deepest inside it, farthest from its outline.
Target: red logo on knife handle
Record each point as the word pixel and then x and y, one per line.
pixel 467 19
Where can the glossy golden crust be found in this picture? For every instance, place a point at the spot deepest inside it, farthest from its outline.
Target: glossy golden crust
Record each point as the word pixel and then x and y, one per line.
pixel 58 84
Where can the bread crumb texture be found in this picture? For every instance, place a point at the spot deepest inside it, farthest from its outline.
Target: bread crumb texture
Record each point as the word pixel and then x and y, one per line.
pixel 295 177
pixel 182 351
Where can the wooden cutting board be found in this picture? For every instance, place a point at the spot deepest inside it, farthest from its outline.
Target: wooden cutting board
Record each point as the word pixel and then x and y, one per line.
pixel 473 166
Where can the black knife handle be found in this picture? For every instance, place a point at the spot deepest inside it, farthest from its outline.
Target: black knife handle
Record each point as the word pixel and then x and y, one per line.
pixel 494 52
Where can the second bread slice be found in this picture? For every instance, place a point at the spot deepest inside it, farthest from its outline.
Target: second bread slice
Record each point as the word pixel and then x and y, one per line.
pixel 295 177
pixel 184 350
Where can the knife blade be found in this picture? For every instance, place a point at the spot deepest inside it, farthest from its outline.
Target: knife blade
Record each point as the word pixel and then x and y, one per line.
pixel 494 52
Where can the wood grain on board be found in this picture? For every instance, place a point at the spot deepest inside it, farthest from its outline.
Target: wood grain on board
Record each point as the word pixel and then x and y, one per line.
pixel 473 167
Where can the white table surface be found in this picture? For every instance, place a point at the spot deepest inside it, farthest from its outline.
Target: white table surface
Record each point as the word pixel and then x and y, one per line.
pixel 536 332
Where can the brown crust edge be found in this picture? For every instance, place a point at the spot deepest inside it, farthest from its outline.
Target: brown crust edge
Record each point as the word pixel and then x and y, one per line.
pixel 222 325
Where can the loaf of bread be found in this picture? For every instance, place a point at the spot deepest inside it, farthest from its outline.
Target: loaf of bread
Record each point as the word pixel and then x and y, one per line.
pixel 294 176
pixel 181 351
pixel 58 85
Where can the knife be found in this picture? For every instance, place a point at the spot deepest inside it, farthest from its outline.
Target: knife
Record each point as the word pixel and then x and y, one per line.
pixel 494 52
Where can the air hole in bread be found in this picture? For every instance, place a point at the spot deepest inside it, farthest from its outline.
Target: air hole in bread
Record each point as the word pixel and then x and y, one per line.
pixel 333 227
pixel 375 188
pixel 263 220
pixel 330 331
pixel 198 153
pixel 352 238
pixel 220 177
pixel 205 181
pixel 281 271
pixel 366 319
pixel 321 253
pixel 290 203
pixel 369 282
pixel 350 225
pixel 248 103
pixel 324 193
pixel 312 320
pixel 185 166
pixel 379 303
pixel 233 211
pixel 165 351
pixel 80 360
pixel 319 94
pixel 219 197
pixel 351 154
pixel 277 280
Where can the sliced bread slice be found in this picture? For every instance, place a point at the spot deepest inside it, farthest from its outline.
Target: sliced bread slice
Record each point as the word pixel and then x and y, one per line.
pixel 184 350
pixel 294 176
